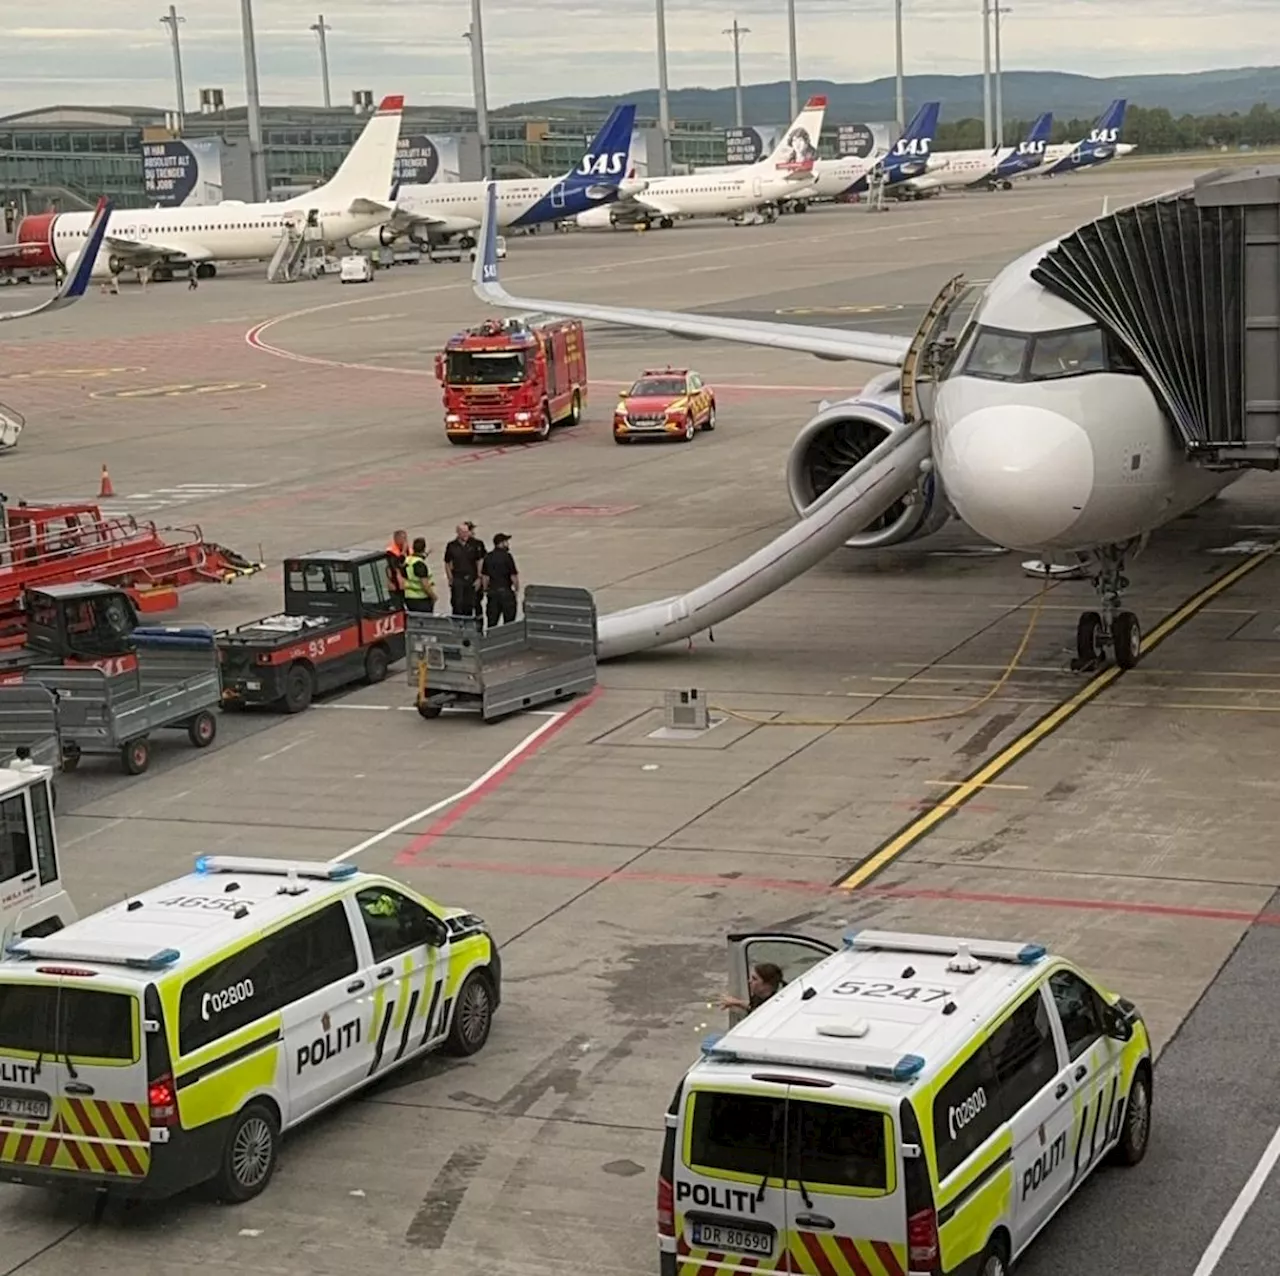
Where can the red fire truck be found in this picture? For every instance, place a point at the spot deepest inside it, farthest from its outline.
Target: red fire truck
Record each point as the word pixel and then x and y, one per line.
pixel 510 378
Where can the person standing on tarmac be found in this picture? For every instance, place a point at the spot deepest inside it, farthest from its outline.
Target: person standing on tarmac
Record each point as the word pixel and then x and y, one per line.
pixel 419 588
pixel 482 550
pixel 463 557
pixel 397 551
pixel 500 579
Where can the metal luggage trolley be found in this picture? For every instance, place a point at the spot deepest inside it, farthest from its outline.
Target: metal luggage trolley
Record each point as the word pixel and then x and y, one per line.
pixel 169 680
pixel 549 654
pixel 29 720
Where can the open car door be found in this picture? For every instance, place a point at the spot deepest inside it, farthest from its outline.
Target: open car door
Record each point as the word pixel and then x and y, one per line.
pixel 792 954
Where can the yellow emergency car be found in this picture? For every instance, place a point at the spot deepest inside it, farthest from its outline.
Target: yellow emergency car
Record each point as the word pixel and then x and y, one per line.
pixel 909 1105
pixel 169 1040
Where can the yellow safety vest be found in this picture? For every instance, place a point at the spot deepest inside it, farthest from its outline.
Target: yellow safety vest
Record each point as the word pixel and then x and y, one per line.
pixel 416 586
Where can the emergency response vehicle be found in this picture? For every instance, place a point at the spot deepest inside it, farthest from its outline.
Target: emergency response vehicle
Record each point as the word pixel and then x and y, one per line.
pixel 339 625
pixel 168 1040
pixel 32 899
pixel 909 1104
pixel 671 403
pixel 513 378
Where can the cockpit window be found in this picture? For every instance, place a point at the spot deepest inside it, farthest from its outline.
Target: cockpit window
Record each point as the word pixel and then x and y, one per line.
pixel 996 356
pixel 1046 356
pixel 1067 354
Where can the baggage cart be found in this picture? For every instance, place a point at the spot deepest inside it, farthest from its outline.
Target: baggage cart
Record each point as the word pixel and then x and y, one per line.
pixel 173 682
pixel 29 720
pixel 548 654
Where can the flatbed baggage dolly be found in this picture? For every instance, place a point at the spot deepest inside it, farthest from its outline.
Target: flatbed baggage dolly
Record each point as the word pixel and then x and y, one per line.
pixel 171 681
pixel 549 654
pixel 29 722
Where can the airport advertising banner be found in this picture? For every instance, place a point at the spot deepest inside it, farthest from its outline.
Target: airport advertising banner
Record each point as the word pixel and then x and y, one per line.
pixel 421 160
pixel 861 140
pixel 177 174
pixel 750 145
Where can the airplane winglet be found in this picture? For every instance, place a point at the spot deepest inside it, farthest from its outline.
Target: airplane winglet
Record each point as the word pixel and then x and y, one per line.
pixel 391 105
pixel 76 282
pixel 484 273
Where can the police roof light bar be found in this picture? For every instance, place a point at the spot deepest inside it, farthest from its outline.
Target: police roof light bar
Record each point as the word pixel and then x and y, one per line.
pixel 102 952
pixel 893 941
pixel 314 870
pixel 865 1061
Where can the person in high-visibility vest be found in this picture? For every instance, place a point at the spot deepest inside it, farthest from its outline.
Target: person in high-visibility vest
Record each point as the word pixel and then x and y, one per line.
pixel 419 588
pixel 397 551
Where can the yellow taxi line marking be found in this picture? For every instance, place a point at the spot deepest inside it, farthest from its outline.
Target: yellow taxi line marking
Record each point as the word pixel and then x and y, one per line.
pixel 1031 685
pixel 950 784
pixel 916 829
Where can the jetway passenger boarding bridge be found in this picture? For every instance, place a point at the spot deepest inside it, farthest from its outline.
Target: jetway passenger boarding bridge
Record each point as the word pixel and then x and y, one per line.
pixel 1190 284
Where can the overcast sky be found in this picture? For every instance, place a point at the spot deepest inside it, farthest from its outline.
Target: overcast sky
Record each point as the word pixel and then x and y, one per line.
pixel 64 51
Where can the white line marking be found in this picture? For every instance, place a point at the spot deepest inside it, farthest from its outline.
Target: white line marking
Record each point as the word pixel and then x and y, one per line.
pixel 401 825
pixel 1236 1214
pixel 275 753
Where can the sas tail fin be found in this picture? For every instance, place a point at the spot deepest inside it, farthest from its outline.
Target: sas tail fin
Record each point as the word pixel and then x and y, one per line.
pixel 604 163
pixel 909 155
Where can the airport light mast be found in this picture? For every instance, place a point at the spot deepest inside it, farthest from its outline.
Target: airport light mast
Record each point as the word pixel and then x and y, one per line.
pixel 791 50
pixel 899 85
pixel 737 33
pixel 257 161
pixel 320 27
pixel 476 36
pixel 664 104
pixel 999 11
pixel 987 136
pixel 173 21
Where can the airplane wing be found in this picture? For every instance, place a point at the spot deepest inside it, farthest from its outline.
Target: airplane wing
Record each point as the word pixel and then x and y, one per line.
pixel 369 207
pixel 154 249
pixel 74 285
pixel 824 343
pixel 654 203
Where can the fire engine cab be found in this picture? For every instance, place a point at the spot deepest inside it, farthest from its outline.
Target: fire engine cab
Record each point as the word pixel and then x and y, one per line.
pixel 513 378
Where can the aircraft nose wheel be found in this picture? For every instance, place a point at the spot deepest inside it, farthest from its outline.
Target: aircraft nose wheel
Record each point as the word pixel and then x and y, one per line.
pixel 1094 643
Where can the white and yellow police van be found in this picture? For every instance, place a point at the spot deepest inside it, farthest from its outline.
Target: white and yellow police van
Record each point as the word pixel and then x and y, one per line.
pixel 168 1040
pixel 32 899
pixel 908 1105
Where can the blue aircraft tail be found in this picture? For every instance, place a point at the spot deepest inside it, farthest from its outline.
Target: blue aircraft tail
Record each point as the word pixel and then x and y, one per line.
pixel 1029 153
pixel 1102 139
pixel 605 161
pixel 909 156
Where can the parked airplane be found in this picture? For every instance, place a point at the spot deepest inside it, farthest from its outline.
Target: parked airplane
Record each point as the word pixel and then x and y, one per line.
pixel 784 174
pixel 908 156
pixel 1102 144
pixel 954 169
pixel 434 214
pixel 1021 440
pixel 76 281
pixel 353 200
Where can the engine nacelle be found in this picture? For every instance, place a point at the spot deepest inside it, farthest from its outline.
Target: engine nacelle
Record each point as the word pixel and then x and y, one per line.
pixel 840 436
pixel 387 236
pixel 599 218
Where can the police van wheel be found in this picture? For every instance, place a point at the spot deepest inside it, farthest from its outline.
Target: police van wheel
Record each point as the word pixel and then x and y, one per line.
pixel 298 688
pixel 375 664
pixel 994 1262
pixel 1136 1133
pixel 203 730
pixel 473 1018
pixel 135 756
pixel 249 1159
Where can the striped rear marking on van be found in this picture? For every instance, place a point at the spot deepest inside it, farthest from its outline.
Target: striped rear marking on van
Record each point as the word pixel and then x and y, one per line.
pixel 94 1136
pixel 809 1254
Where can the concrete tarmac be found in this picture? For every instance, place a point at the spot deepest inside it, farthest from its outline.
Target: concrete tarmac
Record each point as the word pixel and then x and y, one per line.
pixel 1134 834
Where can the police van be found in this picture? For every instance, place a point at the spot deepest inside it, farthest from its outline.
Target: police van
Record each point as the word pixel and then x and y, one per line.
pixel 169 1039
pixel 911 1105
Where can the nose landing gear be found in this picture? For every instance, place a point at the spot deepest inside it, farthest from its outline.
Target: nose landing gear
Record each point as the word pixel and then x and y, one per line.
pixel 1111 632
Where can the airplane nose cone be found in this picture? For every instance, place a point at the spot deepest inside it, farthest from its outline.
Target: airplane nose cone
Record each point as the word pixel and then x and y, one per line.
pixel 1018 475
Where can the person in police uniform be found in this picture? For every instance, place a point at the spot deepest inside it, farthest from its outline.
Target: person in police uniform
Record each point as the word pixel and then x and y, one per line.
pixel 500 581
pixel 463 558
pixel 419 588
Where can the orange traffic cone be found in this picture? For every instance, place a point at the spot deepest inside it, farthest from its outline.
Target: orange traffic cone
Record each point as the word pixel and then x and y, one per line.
pixel 105 489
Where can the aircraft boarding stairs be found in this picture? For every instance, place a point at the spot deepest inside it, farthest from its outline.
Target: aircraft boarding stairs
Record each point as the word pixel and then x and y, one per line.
pixel 302 242
pixel 1189 283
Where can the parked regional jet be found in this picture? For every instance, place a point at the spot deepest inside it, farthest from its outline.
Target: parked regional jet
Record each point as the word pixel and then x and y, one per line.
pixel 434 214
pixel 907 157
pixel 951 169
pixel 784 174
pixel 1019 436
pixel 353 200
pixel 76 281
pixel 1102 144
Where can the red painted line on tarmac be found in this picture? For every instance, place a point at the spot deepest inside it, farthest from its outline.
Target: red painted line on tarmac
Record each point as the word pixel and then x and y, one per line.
pixel 446 821
pixel 1133 907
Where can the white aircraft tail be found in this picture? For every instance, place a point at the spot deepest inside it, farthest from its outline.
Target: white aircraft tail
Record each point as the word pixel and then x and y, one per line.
pixel 368 172
pixel 798 150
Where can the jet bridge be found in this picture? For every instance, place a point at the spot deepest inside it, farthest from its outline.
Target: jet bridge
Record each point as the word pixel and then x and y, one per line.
pixel 1189 283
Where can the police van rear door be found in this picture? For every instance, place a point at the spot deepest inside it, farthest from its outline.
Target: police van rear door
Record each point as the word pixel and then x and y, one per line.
pixel 73 1094
pixel 729 1197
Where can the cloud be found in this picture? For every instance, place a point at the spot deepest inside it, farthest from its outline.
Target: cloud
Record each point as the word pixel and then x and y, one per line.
pixel 554 47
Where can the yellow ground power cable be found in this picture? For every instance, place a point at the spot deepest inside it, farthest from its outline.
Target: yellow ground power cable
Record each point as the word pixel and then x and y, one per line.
pixel 961 712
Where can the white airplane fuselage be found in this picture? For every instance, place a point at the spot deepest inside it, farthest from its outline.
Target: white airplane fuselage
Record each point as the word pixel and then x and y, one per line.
pixel 833 177
pixel 958 168
pixel 1069 463
pixel 724 194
